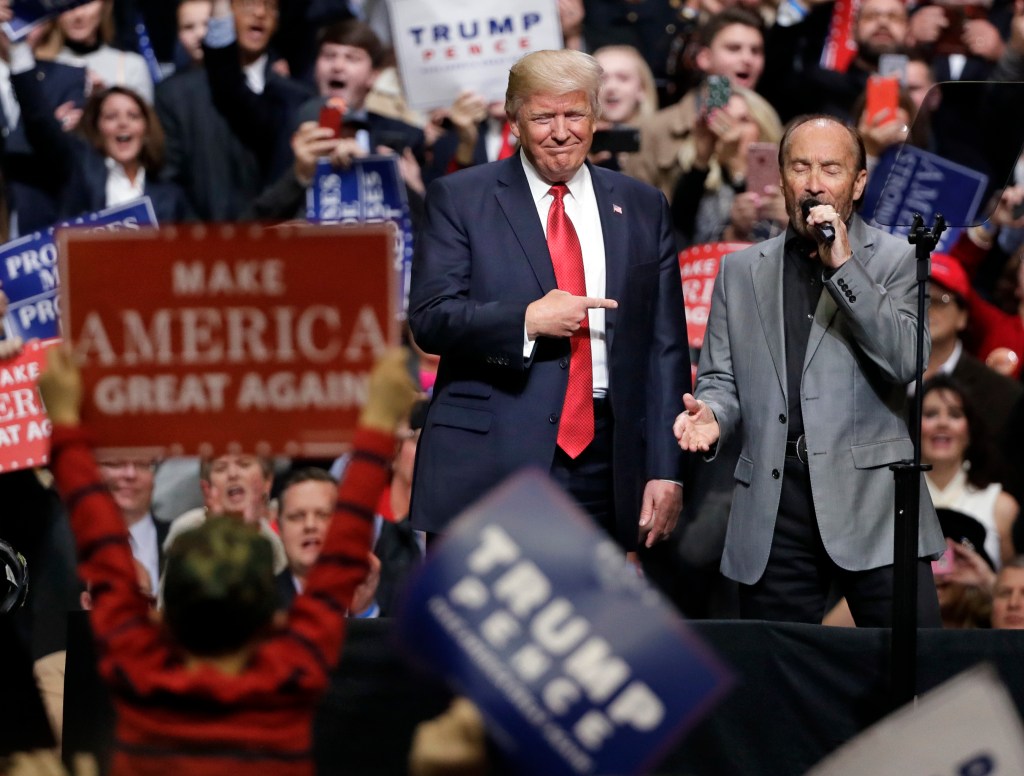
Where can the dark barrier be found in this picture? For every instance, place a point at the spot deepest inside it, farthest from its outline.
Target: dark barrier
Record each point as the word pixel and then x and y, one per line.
pixel 802 691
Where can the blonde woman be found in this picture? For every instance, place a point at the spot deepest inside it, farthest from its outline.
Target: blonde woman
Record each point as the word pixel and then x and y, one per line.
pixel 710 201
pixel 86 32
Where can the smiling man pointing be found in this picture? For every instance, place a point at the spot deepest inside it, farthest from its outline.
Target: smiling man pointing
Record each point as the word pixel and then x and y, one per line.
pixel 551 290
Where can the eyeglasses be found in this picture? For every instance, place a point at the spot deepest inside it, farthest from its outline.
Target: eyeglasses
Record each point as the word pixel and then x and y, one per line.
pixel 941 300
pixel 123 466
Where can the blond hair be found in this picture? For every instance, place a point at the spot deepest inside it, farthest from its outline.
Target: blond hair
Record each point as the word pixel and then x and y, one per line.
pixel 648 104
pixel 553 72
pixel 769 131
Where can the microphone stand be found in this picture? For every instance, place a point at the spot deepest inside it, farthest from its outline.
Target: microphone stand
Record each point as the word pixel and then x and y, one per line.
pixel 903 646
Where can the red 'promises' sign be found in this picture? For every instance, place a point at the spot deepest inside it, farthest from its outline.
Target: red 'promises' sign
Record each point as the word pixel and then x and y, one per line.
pixel 205 339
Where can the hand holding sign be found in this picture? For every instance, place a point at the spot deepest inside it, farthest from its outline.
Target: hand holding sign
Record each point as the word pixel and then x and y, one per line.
pixel 61 387
pixel 19 17
pixel 9 346
pixel 576 663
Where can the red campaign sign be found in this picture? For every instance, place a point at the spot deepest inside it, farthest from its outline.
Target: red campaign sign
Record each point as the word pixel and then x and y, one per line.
pixel 698 266
pixel 24 427
pixel 199 340
pixel 840 49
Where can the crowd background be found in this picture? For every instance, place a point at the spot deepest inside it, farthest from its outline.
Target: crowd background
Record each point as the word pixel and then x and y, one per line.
pixel 213 113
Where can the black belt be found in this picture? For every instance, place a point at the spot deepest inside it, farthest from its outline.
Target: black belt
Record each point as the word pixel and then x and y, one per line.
pixel 797 448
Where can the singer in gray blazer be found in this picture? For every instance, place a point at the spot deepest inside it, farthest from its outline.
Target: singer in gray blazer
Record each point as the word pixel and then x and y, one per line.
pixel 813 511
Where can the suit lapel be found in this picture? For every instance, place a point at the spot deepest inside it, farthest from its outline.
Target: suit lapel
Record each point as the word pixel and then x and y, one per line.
pixel 766 274
pixel 514 198
pixel 827 308
pixel 616 245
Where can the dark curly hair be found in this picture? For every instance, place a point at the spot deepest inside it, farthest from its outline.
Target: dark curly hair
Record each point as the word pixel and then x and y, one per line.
pixel 983 470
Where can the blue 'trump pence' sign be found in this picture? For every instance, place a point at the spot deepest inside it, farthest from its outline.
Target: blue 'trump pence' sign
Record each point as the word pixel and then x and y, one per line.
pixel 578 665
pixel 28 13
pixel 446 46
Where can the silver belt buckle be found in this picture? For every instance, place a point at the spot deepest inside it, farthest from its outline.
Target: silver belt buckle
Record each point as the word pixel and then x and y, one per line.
pixel 801 449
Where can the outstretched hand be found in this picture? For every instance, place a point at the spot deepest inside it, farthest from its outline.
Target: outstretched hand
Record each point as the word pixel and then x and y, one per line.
pixel 696 427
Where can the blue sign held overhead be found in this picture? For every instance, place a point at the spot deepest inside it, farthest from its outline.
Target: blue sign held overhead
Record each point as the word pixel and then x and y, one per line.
pixel 29 13
pixel 578 665
pixel 371 191
pixel 909 180
pixel 28 269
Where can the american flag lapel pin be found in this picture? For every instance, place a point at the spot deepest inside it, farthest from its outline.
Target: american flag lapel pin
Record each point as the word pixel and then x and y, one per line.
pixel 616 210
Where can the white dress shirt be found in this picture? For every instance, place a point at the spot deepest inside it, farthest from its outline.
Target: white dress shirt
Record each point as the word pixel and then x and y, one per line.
pixel 142 538
pixel 581 208
pixel 120 188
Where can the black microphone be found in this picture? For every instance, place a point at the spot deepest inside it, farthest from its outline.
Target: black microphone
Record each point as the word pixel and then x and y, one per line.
pixel 828 232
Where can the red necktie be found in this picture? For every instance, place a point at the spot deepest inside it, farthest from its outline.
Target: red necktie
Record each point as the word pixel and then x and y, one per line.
pixel 576 429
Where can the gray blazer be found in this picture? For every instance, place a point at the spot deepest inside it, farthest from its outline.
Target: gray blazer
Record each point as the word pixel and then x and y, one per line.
pixel 860 357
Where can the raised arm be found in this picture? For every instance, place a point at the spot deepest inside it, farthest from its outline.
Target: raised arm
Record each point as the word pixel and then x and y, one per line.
pixel 120 613
pixel 317 618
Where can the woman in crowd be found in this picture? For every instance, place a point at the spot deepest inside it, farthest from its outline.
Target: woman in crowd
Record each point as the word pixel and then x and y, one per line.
pixel 954 443
pixel 627 95
pixel 86 31
pixel 710 202
pixel 117 158
pixel 627 91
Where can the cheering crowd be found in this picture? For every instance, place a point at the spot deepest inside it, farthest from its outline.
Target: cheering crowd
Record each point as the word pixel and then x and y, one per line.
pixel 219 588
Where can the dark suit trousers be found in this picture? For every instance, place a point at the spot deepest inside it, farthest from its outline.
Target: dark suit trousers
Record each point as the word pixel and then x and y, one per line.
pixel 800 576
pixel 588 477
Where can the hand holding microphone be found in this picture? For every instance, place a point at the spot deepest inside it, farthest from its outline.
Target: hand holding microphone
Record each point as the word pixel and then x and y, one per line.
pixel 833 245
pixel 827 232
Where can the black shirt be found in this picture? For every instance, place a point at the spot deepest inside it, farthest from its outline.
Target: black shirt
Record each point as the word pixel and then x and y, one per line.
pixel 801 289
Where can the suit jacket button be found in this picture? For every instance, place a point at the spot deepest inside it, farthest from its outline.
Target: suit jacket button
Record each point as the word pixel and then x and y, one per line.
pixel 782 418
pixel 775 474
pixel 563 363
pixel 852 299
pixel 552 418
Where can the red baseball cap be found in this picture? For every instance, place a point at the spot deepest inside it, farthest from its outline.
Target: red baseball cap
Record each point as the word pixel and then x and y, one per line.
pixel 948 273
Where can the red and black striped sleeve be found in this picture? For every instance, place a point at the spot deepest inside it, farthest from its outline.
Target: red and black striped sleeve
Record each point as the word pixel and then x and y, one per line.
pixel 120 613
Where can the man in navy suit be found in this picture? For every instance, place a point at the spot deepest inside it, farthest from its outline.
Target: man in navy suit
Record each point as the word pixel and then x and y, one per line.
pixel 488 294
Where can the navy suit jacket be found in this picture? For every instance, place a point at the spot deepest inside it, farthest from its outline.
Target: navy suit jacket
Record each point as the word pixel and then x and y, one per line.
pixel 86 191
pixel 481 259
pixel 32 170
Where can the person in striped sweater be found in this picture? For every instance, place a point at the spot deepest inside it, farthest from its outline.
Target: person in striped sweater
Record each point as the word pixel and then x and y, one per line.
pixel 218 686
